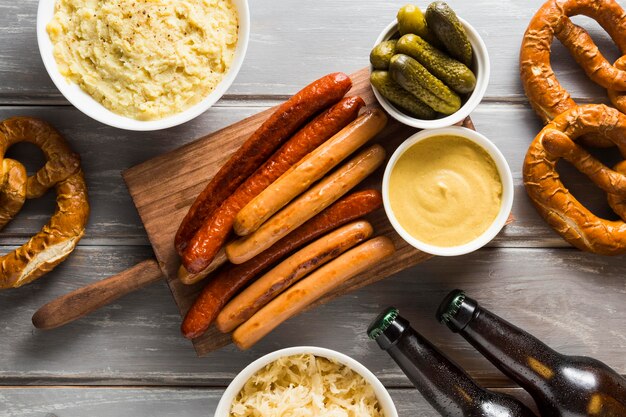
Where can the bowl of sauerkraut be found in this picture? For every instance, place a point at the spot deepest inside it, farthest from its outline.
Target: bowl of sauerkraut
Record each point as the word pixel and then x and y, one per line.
pixel 306 381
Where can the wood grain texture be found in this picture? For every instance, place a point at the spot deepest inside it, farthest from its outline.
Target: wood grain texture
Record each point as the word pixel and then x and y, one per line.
pixel 161 402
pixel 572 301
pixel 88 299
pixel 290 45
pixel 164 188
pixel 105 152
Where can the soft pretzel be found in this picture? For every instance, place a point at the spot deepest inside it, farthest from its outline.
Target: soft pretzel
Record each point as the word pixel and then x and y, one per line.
pixel 618 98
pixel 555 203
pixel 545 93
pixel 618 201
pixel 59 237
pixel 13 190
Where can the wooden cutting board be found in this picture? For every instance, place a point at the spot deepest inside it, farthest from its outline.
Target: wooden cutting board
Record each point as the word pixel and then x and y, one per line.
pixel 164 188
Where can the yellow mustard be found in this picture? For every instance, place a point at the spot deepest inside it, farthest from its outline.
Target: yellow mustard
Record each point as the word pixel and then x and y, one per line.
pixel 445 190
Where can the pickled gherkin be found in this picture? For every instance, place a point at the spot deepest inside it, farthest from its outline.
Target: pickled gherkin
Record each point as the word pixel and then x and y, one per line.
pixel 445 24
pixel 382 53
pixel 382 81
pixel 453 73
pixel 417 80
pixel 412 20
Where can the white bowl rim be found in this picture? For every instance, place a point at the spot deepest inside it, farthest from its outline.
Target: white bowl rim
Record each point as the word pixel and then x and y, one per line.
pixel 383 396
pixel 507 191
pixel 483 73
pixel 92 108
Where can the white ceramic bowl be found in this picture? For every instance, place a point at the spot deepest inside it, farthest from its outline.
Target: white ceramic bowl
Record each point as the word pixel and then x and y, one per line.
pixel 86 104
pixel 384 399
pixel 480 65
pixel 507 191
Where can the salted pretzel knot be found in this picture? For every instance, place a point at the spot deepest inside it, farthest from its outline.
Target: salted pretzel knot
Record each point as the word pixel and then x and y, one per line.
pixel 555 203
pixel 62 170
pixel 545 93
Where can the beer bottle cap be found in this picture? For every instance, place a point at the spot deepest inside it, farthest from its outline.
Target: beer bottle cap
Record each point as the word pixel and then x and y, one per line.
pixel 456 310
pixel 387 328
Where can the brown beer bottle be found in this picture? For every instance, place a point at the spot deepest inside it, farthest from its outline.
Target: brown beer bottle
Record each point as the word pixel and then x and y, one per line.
pixel 564 386
pixel 444 385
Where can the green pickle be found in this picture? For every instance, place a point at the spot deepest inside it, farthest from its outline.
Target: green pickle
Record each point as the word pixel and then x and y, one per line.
pixel 412 20
pixel 382 53
pixel 382 81
pixel 444 23
pixel 453 73
pixel 417 80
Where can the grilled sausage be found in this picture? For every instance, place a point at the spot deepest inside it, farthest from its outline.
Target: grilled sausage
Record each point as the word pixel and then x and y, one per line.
pixel 270 135
pixel 306 172
pixel 282 276
pixel 190 278
pixel 210 238
pixel 307 205
pixel 231 278
pixel 321 282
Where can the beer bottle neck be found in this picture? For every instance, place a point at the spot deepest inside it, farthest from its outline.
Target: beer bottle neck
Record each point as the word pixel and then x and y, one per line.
pixel 518 354
pixel 441 382
pixel 444 385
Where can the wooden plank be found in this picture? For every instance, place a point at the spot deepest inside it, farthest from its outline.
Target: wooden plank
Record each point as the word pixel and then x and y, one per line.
pixel 107 402
pixel 161 402
pixel 136 340
pixel 559 295
pixel 288 47
pixel 106 152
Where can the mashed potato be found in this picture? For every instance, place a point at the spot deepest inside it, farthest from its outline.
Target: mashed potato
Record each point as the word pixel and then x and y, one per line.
pixel 145 59
pixel 306 386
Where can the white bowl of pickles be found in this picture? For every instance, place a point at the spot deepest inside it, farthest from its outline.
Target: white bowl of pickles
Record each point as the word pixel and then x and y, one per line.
pixel 429 70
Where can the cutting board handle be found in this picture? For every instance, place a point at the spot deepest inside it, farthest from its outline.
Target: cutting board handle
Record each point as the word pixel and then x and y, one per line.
pixel 87 299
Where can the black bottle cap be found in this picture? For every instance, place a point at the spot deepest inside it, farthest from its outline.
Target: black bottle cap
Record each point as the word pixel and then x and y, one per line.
pixel 387 328
pixel 456 310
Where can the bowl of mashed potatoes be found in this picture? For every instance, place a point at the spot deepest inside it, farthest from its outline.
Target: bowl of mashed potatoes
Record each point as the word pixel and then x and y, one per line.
pixel 306 381
pixel 448 191
pixel 143 64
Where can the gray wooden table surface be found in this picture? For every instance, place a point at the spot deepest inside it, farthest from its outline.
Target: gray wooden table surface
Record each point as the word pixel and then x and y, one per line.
pixel 129 359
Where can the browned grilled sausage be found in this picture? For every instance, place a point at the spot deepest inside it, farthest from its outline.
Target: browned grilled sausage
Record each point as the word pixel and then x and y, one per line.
pixel 290 116
pixel 321 282
pixel 188 278
pixel 283 275
pixel 210 238
pixel 231 278
pixel 310 169
pixel 307 205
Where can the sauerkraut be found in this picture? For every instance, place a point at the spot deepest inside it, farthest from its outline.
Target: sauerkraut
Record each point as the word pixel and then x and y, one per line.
pixel 305 386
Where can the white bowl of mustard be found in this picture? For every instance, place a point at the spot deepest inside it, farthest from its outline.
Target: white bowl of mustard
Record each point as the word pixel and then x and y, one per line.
pixel 448 191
